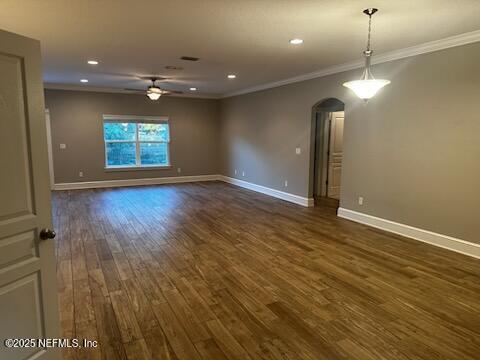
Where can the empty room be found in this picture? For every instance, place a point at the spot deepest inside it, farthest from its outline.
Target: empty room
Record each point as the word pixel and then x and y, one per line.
pixel 219 179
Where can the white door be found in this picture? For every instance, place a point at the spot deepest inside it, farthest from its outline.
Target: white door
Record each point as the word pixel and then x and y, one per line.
pixel 28 294
pixel 335 154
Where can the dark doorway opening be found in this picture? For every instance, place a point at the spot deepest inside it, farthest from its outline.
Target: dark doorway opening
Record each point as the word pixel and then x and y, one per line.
pixel 328 118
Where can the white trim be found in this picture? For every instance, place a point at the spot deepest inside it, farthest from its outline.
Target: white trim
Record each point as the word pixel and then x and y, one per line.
pixel 134 118
pixel 50 149
pixel 425 48
pixel 134 182
pixel 296 199
pixel 440 240
pixel 428 47
pixel 300 200
pixel 136 168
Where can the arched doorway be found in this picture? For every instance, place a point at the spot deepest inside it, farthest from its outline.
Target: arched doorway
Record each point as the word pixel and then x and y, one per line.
pixel 327 137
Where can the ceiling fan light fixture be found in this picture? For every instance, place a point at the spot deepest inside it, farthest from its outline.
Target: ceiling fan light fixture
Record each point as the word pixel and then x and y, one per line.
pixel 153 91
pixel 153 95
pixel 367 86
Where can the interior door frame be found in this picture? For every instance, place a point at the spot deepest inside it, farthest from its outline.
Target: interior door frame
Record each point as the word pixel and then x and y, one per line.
pixel 327 105
pixel 323 123
pixel 327 137
pixel 332 129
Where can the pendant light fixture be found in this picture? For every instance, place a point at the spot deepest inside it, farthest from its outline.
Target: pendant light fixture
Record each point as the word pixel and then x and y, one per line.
pixel 367 86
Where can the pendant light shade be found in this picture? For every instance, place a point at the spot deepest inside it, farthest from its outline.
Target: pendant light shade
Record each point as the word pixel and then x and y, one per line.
pixel 366 89
pixel 367 86
pixel 153 96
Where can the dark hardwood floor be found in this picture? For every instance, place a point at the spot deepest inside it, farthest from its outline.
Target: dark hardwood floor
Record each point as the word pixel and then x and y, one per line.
pixel 212 271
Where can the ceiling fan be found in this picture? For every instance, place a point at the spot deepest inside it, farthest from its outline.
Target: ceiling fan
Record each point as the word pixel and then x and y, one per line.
pixel 154 92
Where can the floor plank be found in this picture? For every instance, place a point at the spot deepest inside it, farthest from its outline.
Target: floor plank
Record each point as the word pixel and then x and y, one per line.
pixel 212 271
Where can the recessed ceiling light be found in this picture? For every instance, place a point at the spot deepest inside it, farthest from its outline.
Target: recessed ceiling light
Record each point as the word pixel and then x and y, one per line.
pixel 296 41
pixel 232 76
pixel 92 62
pixel 193 89
pixel 84 80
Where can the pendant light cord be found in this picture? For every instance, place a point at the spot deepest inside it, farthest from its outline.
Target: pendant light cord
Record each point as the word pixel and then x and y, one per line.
pixel 369 31
pixel 367 75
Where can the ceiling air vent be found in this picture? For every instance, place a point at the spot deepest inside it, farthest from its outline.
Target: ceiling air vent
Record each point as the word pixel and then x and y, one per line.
pixel 189 58
pixel 173 67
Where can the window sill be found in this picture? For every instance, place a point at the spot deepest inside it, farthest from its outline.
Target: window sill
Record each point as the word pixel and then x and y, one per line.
pixel 136 168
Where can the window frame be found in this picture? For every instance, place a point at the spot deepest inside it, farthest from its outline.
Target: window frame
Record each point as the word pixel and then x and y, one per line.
pixel 135 119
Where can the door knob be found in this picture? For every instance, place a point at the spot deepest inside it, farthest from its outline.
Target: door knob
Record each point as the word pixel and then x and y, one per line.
pixel 46 234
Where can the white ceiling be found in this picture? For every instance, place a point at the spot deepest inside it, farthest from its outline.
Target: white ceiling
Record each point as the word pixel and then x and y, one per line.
pixel 245 37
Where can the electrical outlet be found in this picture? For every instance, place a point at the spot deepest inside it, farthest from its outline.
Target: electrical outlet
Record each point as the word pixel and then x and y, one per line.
pixel 360 200
pixel 286 183
pixel 80 174
pixel 63 146
pixel 298 151
pixel 179 170
pixel 243 173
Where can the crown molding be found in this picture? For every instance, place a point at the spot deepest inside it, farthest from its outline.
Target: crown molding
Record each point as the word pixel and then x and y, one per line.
pixel 428 47
pixel 69 87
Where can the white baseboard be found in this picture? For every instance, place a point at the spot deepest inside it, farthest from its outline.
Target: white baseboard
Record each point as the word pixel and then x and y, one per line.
pixel 443 241
pixel 133 182
pixel 184 179
pixel 300 200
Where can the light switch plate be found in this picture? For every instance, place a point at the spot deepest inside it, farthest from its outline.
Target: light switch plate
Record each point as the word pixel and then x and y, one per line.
pixel 298 151
pixel 63 146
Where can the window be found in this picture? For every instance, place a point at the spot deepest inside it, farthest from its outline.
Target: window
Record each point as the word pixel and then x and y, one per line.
pixel 134 142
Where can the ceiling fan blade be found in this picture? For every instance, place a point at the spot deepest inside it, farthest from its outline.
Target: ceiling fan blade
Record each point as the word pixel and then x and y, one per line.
pixel 150 78
pixel 164 92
